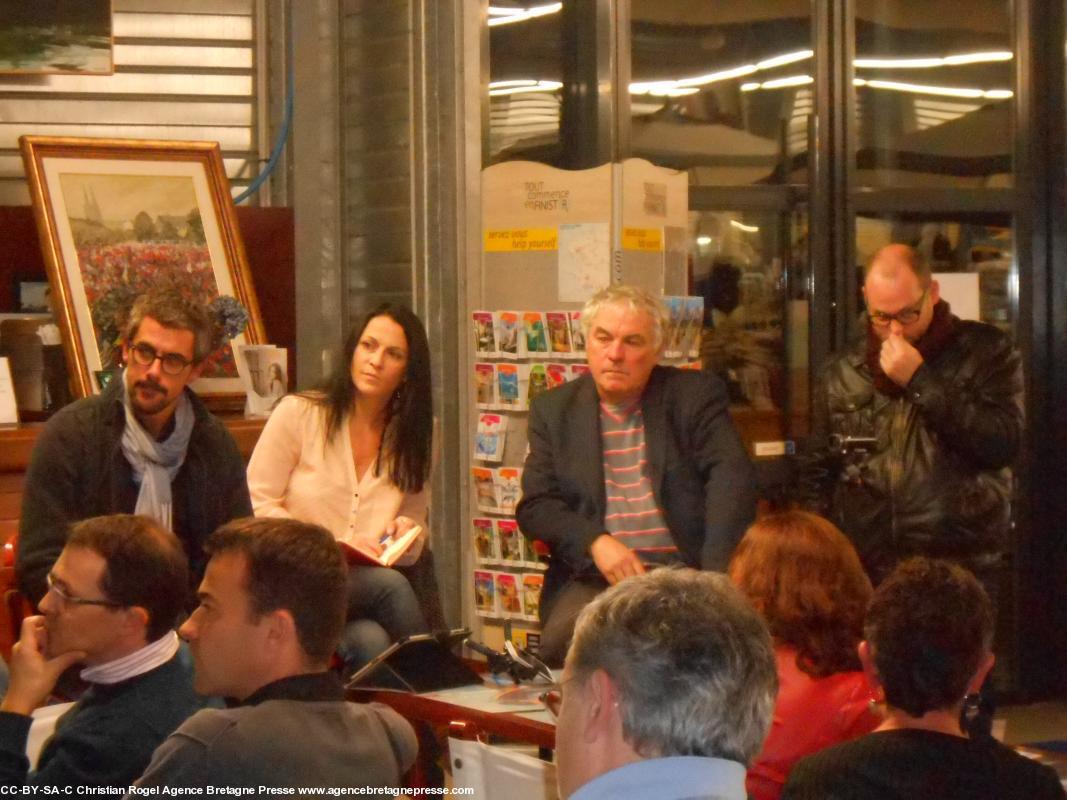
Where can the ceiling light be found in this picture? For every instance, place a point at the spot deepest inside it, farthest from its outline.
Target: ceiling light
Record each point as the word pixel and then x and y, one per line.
pixel 779 83
pixel 521 87
pixel 506 16
pixel 785 58
pixel 792 80
pixel 942 91
pixel 933 61
pixel 721 75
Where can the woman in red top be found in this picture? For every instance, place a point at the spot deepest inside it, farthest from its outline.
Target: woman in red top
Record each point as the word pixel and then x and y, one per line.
pixel 804 577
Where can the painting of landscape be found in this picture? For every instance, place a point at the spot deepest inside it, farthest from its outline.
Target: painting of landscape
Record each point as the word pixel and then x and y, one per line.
pixel 132 233
pixel 47 36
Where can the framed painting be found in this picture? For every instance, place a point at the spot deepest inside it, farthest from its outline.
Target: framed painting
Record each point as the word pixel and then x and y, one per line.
pixel 118 217
pixel 56 37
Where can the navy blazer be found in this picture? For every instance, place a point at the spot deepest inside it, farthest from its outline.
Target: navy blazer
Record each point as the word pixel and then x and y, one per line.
pixel 702 478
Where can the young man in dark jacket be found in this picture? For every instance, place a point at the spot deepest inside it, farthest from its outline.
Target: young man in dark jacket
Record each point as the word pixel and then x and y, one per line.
pixel 146 445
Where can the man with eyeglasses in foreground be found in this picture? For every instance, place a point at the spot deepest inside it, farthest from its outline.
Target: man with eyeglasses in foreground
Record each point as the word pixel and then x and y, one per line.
pixel 145 445
pixel 113 599
pixel 937 404
pixel 667 692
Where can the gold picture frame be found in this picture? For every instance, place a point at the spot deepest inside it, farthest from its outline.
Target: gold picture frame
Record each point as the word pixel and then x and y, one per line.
pixel 119 216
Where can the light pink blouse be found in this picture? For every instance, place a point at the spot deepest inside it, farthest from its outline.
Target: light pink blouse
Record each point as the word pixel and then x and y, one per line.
pixel 295 472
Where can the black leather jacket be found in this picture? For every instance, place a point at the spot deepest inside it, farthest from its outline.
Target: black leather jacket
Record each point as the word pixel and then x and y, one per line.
pixel 936 481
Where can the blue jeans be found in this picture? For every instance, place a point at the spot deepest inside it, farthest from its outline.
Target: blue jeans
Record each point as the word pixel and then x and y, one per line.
pixel 382 608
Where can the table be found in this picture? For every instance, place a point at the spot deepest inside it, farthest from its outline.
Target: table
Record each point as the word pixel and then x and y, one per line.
pixel 467 712
pixel 479 706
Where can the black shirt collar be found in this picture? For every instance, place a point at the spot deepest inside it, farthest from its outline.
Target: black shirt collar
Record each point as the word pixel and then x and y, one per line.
pixel 310 687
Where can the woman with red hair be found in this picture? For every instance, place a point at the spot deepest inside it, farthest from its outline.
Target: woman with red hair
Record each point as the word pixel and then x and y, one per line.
pixel 805 579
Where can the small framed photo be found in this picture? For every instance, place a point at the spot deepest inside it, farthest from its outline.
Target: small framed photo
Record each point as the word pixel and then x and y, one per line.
pixel 262 367
pixel 34 297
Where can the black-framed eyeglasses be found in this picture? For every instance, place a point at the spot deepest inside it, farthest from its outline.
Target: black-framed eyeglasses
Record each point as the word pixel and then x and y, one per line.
pixel 905 317
pixel 71 600
pixel 145 354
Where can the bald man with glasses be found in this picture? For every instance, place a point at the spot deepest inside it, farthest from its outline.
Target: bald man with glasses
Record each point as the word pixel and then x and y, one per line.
pixel 145 445
pixel 926 411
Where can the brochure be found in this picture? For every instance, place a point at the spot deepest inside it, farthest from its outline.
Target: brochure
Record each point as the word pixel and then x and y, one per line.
pixel 484 535
pixel 392 549
pixel 484 334
pixel 489 438
pixel 508 342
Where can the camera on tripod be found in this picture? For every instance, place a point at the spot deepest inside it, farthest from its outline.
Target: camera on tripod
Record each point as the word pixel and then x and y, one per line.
pixel 852 452
pixel 845 445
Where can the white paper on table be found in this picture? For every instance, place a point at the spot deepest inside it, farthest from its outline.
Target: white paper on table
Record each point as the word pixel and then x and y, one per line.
pixel 506 698
pixel 9 412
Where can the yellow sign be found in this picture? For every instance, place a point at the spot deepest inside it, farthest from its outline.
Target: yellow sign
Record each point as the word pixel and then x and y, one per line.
pixel 520 239
pixel 649 240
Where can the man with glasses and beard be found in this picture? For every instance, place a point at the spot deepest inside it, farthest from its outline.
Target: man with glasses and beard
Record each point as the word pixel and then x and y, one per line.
pixel 145 445
pixel 930 410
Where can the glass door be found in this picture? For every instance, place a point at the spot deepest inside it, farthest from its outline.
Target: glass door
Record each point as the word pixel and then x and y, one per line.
pixel 725 93
pixel 812 133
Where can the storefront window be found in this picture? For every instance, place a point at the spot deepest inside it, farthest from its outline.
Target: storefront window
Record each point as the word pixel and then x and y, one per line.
pixel 525 81
pixel 934 92
pixel 747 268
pixel 722 90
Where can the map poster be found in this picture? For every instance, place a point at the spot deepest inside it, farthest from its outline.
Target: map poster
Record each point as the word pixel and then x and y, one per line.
pixel 584 260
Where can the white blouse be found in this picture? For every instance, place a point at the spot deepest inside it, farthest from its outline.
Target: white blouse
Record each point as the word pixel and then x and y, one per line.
pixel 295 472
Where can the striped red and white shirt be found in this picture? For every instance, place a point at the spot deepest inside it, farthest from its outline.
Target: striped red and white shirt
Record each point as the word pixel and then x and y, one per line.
pixel 632 515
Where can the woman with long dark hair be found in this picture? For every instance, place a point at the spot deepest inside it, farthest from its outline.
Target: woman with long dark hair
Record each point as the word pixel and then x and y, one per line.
pixel 354 456
pixel 804 578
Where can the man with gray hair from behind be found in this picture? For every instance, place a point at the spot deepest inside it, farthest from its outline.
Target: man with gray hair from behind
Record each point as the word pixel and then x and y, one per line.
pixel 667 691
